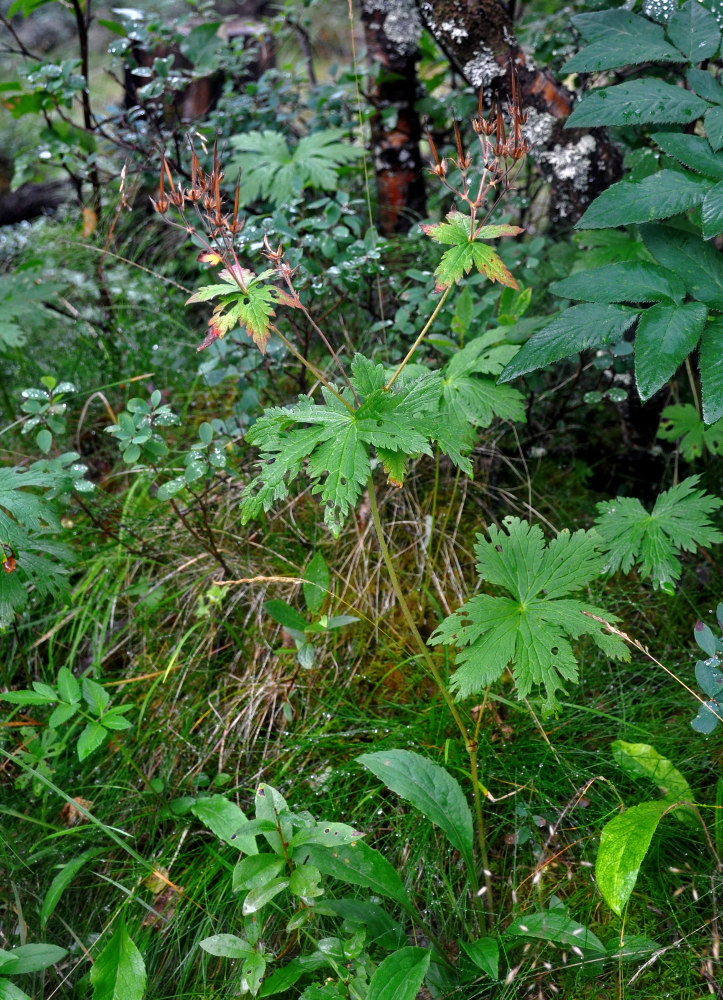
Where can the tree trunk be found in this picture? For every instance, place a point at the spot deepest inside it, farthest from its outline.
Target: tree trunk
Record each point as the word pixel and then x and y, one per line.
pixel 392 29
pixel 479 40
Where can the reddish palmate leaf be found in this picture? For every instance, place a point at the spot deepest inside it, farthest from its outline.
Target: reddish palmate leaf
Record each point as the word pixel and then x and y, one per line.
pixel 467 250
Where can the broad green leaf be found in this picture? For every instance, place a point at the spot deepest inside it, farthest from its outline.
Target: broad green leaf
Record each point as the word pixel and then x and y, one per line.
pixel 28 698
pixel 431 789
pixel 681 423
pixel 304 881
pixel 95 695
pixel 680 519
pixel 694 30
pixel 8 990
pixel 647 101
pixel 619 38
pixel 326 834
pixel 68 687
pixel 400 975
pixel 259 897
pixel 119 972
pixel 356 864
pixel 633 281
pixel 714 127
pixel 92 737
pixel 35 957
pixel 710 363
pixel 271 806
pixel 666 193
pixel 712 212
pixel 554 925
pixel 224 819
pixel 709 677
pixel 531 628
pixel 285 615
pixel 575 329
pixel 705 639
pixel 705 85
pixel 707 718
pixel 317 582
pixel 256 870
pixel 642 759
pixel 226 946
pixel 691 150
pixel 665 337
pixel 63 879
pixel 699 265
pixel 283 978
pixel 485 954
pixel 633 946
pixel 624 842
pixel 252 972
pixel 381 929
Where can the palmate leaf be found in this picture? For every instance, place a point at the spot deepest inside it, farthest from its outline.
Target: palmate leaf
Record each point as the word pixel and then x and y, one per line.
pixel 467 251
pixel 245 301
pixel 269 169
pixel 334 440
pixel 532 627
pixel 681 423
pixel 652 541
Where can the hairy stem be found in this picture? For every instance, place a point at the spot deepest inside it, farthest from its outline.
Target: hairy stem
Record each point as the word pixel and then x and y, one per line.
pixel 419 339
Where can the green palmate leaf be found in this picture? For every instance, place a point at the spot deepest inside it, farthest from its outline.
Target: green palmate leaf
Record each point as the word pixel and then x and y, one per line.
pixel 691 150
pixel 679 520
pixel 271 171
pixel 334 440
pixel 640 759
pixel 473 401
pixel 531 628
pixel 253 309
pixel 574 330
pixel 624 842
pixel 705 85
pixel 666 193
pixel 636 103
pixel 429 788
pixel 356 864
pixel 665 337
pixel 694 30
pixel 119 972
pixel 699 265
pixel 467 252
pixel 712 212
pixel 714 127
pixel 633 281
pixel 681 423
pixel 619 38
pixel 710 363
pixel 400 975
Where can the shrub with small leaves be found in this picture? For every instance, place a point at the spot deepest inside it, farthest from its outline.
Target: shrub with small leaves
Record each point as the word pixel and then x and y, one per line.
pixel 135 431
pixel 45 409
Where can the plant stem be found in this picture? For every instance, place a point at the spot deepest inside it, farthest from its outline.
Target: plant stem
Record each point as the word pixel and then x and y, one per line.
pixel 470 745
pixel 419 339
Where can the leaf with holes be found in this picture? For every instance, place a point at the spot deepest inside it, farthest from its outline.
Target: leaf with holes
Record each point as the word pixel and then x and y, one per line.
pixel 531 628
pixel 652 541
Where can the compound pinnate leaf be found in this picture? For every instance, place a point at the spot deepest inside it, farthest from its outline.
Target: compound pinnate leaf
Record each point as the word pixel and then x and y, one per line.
pixel 119 972
pixel 619 38
pixel 665 337
pixel 679 520
pixel 665 193
pixel 624 842
pixel 574 330
pixel 632 281
pixel 531 628
pixel 636 103
pixel 467 251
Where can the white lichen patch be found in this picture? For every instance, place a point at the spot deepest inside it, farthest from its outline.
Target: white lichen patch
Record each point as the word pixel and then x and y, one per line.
pixel 569 165
pixel 539 127
pixel 482 68
pixel 453 30
pixel 402 24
